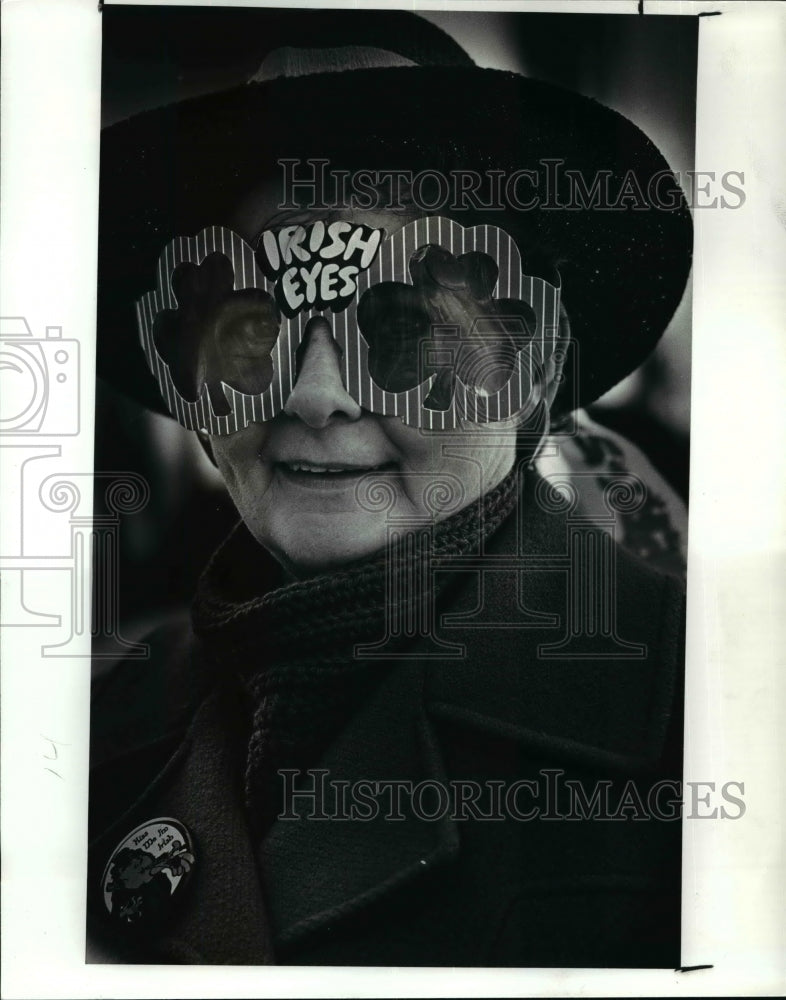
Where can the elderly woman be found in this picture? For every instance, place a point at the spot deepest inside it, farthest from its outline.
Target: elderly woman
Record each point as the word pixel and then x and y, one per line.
pixel 425 713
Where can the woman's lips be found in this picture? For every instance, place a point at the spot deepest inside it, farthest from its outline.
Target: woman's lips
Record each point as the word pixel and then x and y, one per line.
pixel 327 474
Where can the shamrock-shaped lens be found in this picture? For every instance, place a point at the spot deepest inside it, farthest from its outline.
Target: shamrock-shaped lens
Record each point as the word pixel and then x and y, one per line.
pixel 217 334
pixel 446 323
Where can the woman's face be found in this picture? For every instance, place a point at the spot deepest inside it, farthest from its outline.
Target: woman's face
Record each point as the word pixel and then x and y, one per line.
pixel 318 484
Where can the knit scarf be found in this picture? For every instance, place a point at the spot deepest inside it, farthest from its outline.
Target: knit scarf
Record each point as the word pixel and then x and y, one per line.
pixel 292 644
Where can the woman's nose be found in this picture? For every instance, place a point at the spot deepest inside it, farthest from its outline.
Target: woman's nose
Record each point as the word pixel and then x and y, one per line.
pixel 319 396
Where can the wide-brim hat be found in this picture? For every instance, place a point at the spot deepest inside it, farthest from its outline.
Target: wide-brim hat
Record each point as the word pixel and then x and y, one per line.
pixel 623 259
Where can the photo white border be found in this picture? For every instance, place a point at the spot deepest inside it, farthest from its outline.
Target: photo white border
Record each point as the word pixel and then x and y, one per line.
pixel 734 871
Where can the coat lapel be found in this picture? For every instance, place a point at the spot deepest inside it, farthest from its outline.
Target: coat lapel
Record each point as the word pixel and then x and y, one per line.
pixel 199 787
pixel 320 871
pixel 315 872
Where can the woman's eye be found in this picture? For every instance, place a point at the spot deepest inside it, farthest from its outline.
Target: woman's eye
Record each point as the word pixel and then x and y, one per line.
pixel 237 344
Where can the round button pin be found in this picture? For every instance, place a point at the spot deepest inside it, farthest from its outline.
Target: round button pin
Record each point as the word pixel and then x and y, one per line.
pixel 145 871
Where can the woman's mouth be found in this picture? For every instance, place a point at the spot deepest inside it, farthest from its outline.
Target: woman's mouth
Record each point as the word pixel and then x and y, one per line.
pixel 320 475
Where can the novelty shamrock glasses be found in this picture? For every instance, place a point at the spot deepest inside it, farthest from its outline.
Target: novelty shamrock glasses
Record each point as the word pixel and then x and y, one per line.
pixel 436 324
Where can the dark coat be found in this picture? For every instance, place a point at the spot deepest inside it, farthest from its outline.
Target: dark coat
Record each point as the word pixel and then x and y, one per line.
pixel 458 890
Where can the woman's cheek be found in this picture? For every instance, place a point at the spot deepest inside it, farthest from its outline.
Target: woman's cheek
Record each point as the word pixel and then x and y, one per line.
pixel 474 459
pixel 241 458
pixel 416 449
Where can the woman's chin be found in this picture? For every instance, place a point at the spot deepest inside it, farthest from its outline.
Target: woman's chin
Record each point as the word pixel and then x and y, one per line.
pixel 310 543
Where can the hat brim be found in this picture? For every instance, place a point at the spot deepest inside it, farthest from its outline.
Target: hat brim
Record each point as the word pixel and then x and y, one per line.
pixel 173 171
